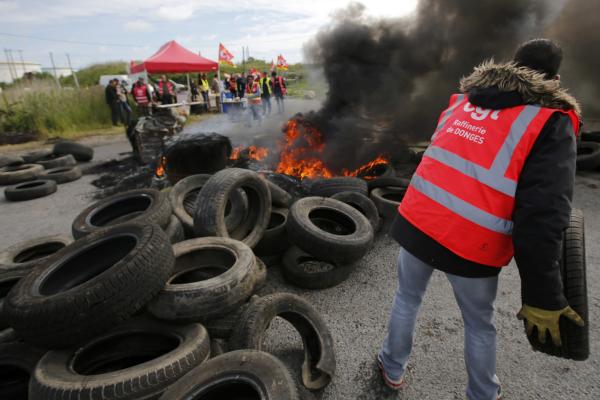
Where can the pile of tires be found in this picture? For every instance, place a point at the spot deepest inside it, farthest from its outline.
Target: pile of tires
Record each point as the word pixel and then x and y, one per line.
pixel 38 173
pixel 588 152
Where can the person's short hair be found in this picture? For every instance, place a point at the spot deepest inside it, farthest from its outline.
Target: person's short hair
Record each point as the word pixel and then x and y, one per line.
pixel 542 55
pixel 273 73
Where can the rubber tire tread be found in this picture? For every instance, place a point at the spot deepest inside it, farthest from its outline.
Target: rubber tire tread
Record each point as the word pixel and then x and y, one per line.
pixel 79 151
pixel 11 161
pixel 62 174
pixel 275 240
pixel 174 230
pixel 363 204
pixel 73 316
pixel 34 156
pixel 297 276
pixel 56 162
pixel 387 208
pixel 8 264
pixel 387 181
pixel 327 187
pixel 18 174
pixel 20 193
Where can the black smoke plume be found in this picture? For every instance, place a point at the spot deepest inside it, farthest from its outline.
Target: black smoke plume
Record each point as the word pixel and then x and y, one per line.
pixel 389 79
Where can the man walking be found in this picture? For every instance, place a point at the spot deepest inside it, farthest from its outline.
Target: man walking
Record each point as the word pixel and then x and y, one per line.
pixel 265 87
pixel 279 89
pixel 112 99
pixel 254 100
pixel 496 182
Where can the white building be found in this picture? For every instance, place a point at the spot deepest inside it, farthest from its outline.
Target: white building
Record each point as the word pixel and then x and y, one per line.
pixel 9 70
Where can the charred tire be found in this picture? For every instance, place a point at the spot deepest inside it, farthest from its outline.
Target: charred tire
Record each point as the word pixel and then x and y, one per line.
pixel 34 156
pixel 329 230
pixel 279 197
pixel 174 230
pixel 575 339
pixel 387 200
pixel 184 195
pixel 212 277
pixel 26 255
pixel 363 204
pixel 11 161
pixel 17 363
pixel 8 335
pixel 96 282
pixel 327 187
pixel 30 190
pixel 148 206
pixel 295 268
pixel 62 174
pixel 79 151
pixel 242 374
pixel 21 173
pixel 319 358
pixel 138 360
pixel 54 161
pixel 275 240
pixel 588 155
pixel 385 182
pixel 209 219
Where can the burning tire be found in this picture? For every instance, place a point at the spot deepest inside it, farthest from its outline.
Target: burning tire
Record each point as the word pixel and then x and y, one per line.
pixel 242 374
pixel 138 360
pixel 275 240
pixel 363 204
pixel 11 161
pixel 319 361
pixel 125 267
pixel 28 254
pixel 209 219
pixel 148 206
pixel 212 276
pixel 575 339
pixel 588 155
pixel 303 270
pixel 17 363
pixel 79 151
pixel 54 161
pixel 22 173
pixel 62 174
pixel 327 187
pixel 183 197
pixel 30 190
pixel 174 230
pixel 387 200
pixel 329 230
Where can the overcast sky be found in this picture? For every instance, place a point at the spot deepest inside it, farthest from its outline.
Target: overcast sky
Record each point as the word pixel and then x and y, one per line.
pixel 135 29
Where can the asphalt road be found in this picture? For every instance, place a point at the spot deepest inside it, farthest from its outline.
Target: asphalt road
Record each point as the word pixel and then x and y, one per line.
pixel 357 310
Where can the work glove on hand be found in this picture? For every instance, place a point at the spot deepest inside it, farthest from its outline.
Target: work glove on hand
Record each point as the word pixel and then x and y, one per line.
pixel 547 320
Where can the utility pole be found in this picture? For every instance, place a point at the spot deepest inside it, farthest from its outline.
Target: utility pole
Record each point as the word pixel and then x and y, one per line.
pixel 10 71
pixel 22 62
pixel 12 64
pixel 73 71
pixel 54 70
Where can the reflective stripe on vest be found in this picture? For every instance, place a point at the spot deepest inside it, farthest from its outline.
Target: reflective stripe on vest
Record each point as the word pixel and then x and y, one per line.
pixel 266 81
pixel 169 88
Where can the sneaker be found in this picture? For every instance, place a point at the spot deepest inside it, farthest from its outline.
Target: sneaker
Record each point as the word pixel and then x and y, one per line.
pixel 499 397
pixel 391 383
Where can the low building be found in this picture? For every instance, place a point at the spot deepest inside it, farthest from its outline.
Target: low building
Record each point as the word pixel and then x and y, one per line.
pixel 9 70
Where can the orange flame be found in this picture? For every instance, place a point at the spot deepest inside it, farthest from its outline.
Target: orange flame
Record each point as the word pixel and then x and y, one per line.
pixel 251 152
pixel 368 170
pixel 160 169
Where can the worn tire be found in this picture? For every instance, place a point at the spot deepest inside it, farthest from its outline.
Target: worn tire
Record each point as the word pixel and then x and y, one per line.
pixel 8 280
pixel 183 198
pixel 62 174
pixel 209 219
pixel 279 197
pixel 109 367
pixel 242 374
pixel 295 271
pixel 147 206
pixel 60 303
pixel 319 361
pixel 8 335
pixel 17 363
pixel 212 277
pixel 26 255
pixel 34 156
pixel 30 190
pixel 54 161
pixel 275 240
pixel 174 230
pixel 387 181
pixel 387 200
pixel 575 339
pixel 222 327
pixel 11 161
pixel 20 173
pixel 588 155
pixel 79 151
pixel 343 235
pixel 327 187
pixel 363 204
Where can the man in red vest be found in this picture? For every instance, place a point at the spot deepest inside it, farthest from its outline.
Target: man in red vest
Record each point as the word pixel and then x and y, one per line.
pixel 253 93
pixel 496 182
pixel 141 96
pixel 166 92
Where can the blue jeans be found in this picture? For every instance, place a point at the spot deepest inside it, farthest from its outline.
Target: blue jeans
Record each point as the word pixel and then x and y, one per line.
pixel 475 298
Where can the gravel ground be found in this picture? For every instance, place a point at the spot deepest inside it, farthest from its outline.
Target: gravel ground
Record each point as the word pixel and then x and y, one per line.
pixel 357 311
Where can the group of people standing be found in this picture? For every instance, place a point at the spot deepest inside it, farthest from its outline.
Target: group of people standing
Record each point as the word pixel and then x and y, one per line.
pixel 116 98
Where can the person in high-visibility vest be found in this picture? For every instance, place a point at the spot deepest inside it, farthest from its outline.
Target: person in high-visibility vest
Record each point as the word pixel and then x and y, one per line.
pixel 204 88
pixel 141 96
pixel 166 91
pixel 253 93
pixel 265 87
pixel 496 182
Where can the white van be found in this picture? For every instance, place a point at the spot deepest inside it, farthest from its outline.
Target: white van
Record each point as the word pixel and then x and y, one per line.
pixel 104 79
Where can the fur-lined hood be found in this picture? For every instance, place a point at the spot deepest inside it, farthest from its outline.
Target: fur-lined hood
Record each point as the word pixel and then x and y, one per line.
pixel 530 84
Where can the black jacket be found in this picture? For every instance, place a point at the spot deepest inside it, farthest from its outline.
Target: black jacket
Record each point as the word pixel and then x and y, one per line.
pixel 544 191
pixel 110 93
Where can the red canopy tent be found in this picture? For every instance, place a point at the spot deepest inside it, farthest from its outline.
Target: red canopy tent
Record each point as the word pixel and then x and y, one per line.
pixel 171 58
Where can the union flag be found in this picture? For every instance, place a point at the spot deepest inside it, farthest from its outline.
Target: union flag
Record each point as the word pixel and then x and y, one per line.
pixel 225 57
pixel 281 63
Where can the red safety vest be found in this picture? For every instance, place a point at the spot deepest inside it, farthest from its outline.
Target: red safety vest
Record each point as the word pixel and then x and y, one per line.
pixel 463 192
pixel 279 82
pixel 169 87
pixel 140 93
pixel 255 88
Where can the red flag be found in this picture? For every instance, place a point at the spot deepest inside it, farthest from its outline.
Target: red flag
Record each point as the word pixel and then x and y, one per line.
pixel 281 63
pixel 225 56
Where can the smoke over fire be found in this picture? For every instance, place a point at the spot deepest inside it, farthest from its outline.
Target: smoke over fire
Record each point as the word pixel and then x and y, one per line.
pixel 390 78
